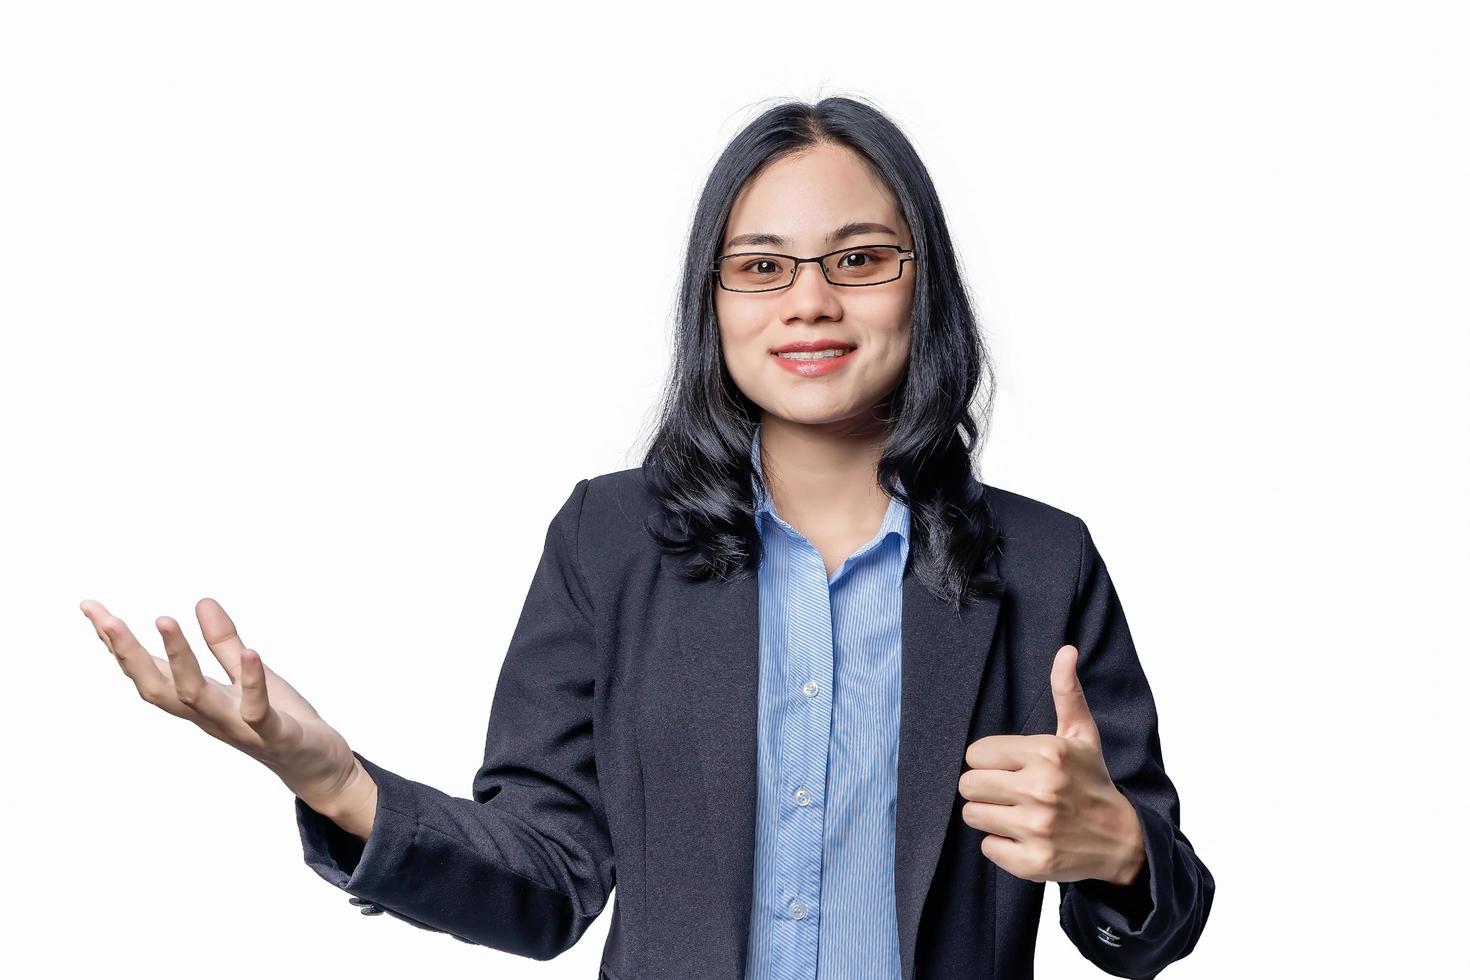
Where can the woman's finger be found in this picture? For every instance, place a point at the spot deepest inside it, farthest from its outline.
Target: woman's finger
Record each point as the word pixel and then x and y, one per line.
pixel 136 662
pixel 255 706
pixel 221 636
pixel 194 691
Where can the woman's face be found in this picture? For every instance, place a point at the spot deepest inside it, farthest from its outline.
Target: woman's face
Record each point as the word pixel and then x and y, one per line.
pixel 801 199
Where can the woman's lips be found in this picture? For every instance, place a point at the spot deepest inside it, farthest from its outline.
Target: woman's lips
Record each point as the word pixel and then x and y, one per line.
pixel 813 367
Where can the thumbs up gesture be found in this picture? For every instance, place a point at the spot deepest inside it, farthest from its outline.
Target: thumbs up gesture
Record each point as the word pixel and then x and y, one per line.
pixel 1046 802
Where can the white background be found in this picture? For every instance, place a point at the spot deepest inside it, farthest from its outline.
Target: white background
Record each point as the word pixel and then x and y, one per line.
pixel 305 309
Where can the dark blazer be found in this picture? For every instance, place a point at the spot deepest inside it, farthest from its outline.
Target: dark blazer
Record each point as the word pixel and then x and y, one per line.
pixel 621 750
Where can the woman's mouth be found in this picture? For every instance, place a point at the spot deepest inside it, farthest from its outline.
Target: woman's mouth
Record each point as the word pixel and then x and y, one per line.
pixel 810 364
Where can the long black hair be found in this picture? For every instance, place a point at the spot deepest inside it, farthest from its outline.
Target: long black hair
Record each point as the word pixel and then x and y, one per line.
pixel 698 464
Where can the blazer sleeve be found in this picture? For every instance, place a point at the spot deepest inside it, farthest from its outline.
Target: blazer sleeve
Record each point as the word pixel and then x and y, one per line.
pixel 526 864
pixel 1134 930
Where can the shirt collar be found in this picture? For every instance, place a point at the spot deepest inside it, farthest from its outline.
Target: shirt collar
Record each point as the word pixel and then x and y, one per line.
pixel 895 519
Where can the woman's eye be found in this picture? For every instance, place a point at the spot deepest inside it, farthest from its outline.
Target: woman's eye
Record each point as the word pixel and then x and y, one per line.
pixel 855 255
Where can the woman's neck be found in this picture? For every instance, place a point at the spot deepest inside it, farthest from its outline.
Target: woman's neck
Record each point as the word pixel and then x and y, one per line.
pixel 823 479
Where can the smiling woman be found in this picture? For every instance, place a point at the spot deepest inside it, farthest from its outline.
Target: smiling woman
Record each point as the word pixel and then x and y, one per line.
pixel 781 684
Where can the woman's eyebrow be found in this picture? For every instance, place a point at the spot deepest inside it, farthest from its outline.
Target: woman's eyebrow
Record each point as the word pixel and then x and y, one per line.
pixel 834 236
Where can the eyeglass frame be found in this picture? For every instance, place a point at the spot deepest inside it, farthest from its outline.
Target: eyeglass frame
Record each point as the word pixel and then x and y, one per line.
pixel 818 259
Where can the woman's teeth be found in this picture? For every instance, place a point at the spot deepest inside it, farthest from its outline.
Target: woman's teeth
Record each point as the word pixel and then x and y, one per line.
pixel 812 355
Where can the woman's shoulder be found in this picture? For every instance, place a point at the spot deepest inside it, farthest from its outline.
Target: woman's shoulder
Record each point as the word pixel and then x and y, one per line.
pixel 1025 516
pixel 615 508
pixel 621 495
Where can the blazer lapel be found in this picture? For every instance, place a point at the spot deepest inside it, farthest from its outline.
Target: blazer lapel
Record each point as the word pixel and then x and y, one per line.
pixel 719 639
pixel 944 656
pixel 943 661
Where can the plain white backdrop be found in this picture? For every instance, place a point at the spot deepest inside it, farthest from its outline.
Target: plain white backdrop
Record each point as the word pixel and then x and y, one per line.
pixel 307 307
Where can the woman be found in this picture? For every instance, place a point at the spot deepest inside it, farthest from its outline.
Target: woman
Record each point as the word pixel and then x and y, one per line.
pixel 800 683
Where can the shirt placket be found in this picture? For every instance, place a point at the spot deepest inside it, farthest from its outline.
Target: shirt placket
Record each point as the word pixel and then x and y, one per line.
pixel 805 738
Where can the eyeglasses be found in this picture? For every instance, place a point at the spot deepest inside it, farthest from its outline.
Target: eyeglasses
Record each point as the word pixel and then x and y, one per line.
pixel 765 272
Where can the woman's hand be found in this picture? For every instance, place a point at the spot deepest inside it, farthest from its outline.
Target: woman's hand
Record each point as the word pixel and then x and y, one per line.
pixel 1047 804
pixel 257 712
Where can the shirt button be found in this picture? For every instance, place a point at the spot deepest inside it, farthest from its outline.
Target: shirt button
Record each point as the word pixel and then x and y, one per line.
pixel 803 798
pixel 809 689
pixel 798 910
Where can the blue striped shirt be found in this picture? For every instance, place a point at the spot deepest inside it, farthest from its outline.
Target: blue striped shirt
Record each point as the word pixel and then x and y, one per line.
pixel 823 902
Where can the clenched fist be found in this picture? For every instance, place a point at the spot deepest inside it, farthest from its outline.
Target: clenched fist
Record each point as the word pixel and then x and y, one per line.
pixel 1046 802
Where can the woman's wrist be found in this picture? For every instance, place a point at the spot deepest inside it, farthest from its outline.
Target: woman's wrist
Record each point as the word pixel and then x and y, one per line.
pixel 354 808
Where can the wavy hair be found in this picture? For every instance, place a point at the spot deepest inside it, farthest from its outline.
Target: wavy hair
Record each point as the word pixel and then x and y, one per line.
pixel 698 464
